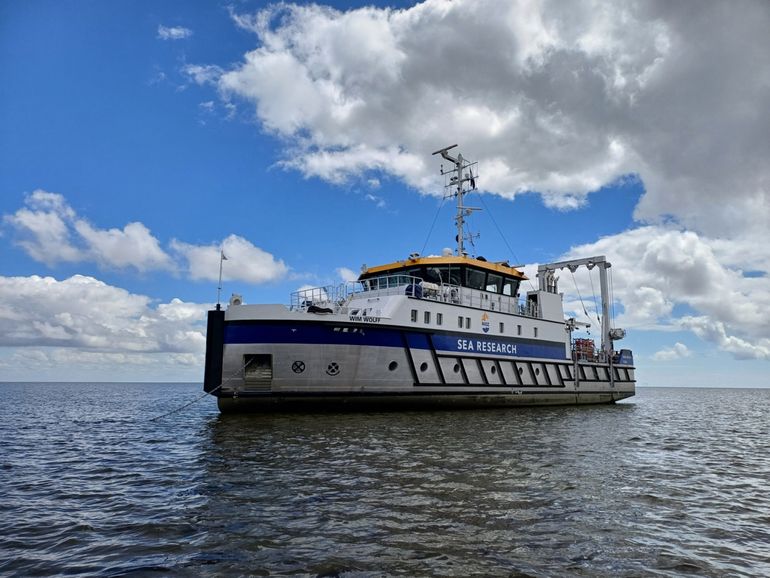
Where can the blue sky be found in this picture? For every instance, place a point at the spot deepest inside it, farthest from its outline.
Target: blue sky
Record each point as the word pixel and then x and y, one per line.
pixel 136 138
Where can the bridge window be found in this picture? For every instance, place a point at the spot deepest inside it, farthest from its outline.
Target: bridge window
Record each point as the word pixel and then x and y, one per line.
pixel 510 286
pixel 494 283
pixel 433 275
pixel 452 276
pixel 475 279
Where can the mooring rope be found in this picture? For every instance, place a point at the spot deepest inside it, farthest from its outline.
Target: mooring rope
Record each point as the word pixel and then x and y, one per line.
pixel 188 404
pixel 205 393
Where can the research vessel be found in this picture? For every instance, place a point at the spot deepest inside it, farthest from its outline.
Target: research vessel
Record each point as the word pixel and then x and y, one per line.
pixel 450 330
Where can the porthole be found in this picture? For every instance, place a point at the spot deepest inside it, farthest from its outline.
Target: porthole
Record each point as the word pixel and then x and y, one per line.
pixel 493 370
pixel 393 366
pixel 333 368
pixel 456 368
pixel 521 370
pixel 423 367
pixel 537 371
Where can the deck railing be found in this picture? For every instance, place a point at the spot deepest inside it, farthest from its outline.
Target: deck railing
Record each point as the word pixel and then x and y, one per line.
pixel 337 297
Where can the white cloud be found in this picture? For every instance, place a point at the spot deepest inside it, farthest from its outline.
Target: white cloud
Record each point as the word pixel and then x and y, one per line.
pixel 51 232
pixel 245 262
pixel 45 228
pixel 555 98
pixel 173 32
pixel 133 246
pixel 677 351
pixel 86 314
pixel 346 274
pixel 202 74
pixel 716 332
pixel 372 88
pixel 661 275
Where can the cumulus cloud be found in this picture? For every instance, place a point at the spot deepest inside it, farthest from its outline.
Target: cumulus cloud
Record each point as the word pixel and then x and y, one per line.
pixel 677 351
pixel 51 232
pixel 716 332
pixel 132 246
pixel 555 98
pixel 244 261
pixel 45 228
pixel 87 314
pixel 173 32
pixel 658 271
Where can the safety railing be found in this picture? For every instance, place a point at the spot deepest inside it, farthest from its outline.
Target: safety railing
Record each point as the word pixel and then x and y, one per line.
pixel 336 297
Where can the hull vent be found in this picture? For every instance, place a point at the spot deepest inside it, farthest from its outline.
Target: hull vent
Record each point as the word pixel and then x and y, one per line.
pixel 258 373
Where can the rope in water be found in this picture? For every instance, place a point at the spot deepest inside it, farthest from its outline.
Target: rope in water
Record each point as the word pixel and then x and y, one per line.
pixel 188 404
pixel 204 394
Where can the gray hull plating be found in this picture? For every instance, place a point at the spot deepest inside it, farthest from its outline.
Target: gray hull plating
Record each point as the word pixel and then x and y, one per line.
pixel 291 377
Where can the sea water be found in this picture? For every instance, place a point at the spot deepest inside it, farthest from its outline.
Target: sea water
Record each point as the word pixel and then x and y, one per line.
pixel 672 482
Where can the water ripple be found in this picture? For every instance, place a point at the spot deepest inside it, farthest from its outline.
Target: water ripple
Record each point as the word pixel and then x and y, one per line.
pixel 671 484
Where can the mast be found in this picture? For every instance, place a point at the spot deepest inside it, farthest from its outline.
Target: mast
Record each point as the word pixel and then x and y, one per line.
pixel 457 188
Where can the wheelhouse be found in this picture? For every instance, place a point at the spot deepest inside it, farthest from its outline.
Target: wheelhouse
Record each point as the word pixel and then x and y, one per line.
pixel 479 274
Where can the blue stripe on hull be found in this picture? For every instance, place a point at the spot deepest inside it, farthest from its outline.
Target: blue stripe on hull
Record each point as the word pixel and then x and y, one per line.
pixel 313 334
pixel 323 334
pixel 489 346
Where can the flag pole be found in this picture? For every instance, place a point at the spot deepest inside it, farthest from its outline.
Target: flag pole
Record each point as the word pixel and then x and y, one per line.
pixel 222 259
